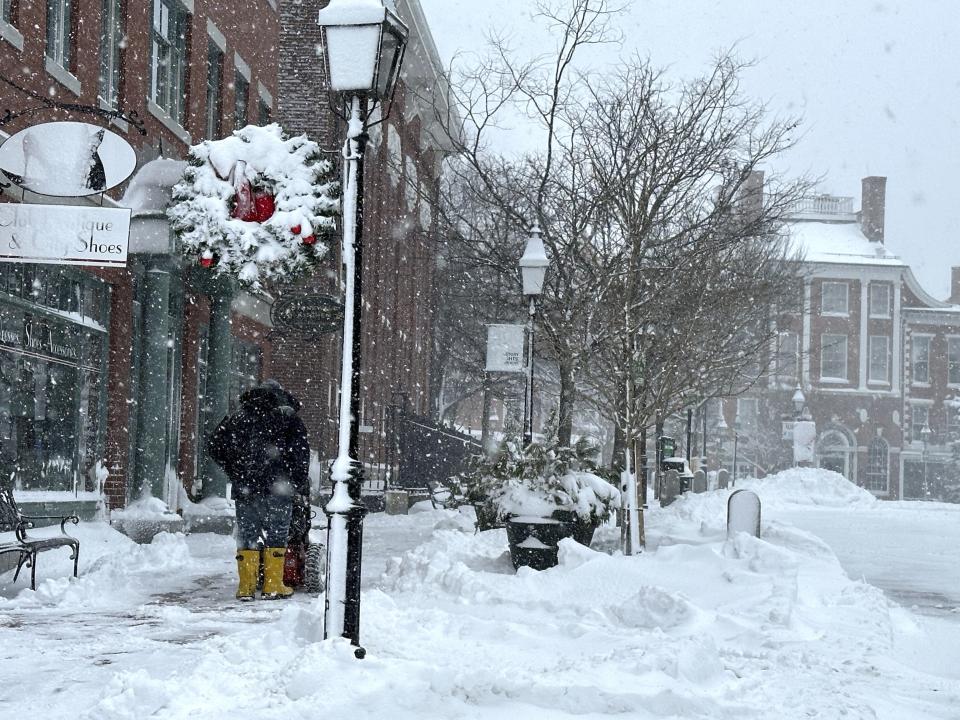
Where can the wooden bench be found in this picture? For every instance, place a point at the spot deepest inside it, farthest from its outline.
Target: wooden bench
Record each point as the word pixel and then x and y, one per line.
pixel 11 519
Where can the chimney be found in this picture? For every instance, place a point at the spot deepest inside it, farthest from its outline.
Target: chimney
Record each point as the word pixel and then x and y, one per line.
pixel 751 195
pixel 873 207
pixel 954 285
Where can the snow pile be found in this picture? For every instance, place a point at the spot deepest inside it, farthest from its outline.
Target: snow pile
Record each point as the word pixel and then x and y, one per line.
pixel 142 519
pixel 697 626
pixel 810 486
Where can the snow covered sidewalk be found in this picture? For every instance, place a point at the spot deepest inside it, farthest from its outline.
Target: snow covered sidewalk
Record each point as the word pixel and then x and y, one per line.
pixel 697 627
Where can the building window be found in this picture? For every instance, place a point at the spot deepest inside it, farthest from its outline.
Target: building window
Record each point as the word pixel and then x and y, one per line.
pixel 169 57
pixel 59 36
pixel 953 360
pixel 214 90
pixel 952 411
pixel 879 359
pixel 263 112
pixel 919 419
pixel 785 368
pixel 833 357
pixel 747 412
pixel 879 300
pixel 835 299
pixel 8 11
pixel 111 43
pixel 878 458
pixel 247 366
pixel 920 359
pixel 241 99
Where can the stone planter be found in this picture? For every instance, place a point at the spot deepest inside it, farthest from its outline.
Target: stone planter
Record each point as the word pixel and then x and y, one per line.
pixel 487 518
pixel 533 541
pixel 583 530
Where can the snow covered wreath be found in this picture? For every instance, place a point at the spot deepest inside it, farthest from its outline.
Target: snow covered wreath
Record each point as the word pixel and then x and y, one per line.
pixel 256 206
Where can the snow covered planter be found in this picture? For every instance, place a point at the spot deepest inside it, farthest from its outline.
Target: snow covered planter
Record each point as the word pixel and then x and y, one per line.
pixel 255 206
pixel 542 493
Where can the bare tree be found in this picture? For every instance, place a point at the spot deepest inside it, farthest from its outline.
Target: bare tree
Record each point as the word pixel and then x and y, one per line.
pixel 695 242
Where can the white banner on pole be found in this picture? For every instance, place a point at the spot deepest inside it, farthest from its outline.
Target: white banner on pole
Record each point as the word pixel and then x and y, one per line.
pixel 64 234
pixel 804 442
pixel 505 348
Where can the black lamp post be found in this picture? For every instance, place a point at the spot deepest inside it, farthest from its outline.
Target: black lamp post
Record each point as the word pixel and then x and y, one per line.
pixel 363 47
pixel 533 269
pixel 925 433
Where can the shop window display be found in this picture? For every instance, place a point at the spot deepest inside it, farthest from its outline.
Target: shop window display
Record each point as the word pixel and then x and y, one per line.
pixel 51 348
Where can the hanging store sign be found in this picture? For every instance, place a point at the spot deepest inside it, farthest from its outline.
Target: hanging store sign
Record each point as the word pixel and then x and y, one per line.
pixel 312 314
pixel 505 348
pixel 64 234
pixel 67 159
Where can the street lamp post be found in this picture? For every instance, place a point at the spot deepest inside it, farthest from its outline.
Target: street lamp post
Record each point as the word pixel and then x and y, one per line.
pixel 533 269
pixel 363 46
pixel 925 433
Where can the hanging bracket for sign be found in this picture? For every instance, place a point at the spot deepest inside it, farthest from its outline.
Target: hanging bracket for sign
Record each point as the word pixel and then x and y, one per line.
pixel 49 104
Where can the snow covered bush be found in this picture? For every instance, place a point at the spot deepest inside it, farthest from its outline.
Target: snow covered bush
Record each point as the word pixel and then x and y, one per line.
pixel 256 206
pixel 538 480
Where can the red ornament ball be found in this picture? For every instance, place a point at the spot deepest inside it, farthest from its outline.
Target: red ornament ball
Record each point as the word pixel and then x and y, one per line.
pixel 264 207
pixel 206 262
pixel 295 229
pixel 309 240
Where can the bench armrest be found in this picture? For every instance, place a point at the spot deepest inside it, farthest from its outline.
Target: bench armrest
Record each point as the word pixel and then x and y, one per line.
pixel 25 522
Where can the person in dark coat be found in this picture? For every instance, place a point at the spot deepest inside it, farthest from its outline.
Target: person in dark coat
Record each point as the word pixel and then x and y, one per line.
pixel 263 449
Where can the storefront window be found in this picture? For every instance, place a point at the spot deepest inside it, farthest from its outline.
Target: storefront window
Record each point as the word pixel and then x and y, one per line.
pixel 50 386
pixel 246 370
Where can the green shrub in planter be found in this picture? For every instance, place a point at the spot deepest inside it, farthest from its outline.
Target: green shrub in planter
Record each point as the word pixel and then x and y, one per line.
pixel 539 480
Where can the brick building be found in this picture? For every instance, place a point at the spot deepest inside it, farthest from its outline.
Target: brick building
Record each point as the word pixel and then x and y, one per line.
pixel 403 163
pixel 168 348
pixel 877 357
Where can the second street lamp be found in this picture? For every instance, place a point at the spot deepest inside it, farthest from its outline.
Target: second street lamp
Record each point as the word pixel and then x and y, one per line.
pixel 533 269
pixel 363 43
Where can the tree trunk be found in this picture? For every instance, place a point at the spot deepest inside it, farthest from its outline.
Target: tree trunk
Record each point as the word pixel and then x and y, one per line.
pixel 567 399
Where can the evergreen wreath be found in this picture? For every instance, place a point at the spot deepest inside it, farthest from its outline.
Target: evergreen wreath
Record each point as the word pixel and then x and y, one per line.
pixel 256 206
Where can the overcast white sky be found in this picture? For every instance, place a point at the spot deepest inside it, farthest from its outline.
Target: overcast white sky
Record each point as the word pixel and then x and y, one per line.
pixel 876 81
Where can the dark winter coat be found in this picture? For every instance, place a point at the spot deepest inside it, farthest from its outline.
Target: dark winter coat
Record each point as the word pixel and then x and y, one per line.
pixel 263 447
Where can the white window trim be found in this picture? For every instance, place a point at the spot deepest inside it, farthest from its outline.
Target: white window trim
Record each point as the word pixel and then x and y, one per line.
pixel 241 66
pixel 832 313
pixel 219 39
pixel 846 355
pixel 168 122
pixel 265 94
pixel 13 36
pixel 62 75
pixel 873 315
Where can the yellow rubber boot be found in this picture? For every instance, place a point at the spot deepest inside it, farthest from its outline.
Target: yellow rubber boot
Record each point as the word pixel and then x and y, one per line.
pixel 248 568
pixel 273 586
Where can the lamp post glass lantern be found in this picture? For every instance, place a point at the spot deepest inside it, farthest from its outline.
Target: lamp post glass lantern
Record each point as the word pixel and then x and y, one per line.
pixel 364 41
pixel 533 271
